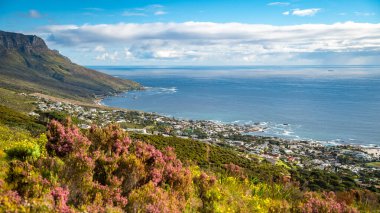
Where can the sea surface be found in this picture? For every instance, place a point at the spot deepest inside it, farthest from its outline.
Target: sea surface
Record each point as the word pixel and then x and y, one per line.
pixel 338 104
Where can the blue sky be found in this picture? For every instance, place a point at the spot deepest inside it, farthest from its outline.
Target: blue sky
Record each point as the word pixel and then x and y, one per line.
pixel 209 32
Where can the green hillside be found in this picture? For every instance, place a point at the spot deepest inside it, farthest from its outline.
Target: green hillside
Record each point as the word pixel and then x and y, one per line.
pixel 27 64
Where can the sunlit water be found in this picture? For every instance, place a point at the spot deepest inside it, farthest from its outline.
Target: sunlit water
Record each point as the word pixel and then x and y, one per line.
pixel 340 104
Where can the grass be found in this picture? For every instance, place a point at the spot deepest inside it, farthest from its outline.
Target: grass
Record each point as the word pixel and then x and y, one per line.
pixel 281 163
pixel 18 120
pixel 16 101
pixel 373 164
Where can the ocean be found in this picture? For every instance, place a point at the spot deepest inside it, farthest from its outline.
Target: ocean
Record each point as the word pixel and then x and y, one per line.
pixel 336 104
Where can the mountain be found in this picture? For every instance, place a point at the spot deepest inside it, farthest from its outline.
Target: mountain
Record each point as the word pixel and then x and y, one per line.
pixel 28 65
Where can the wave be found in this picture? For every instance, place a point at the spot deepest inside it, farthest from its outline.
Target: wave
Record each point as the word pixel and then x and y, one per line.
pixel 160 90
pixel 169 90
pixel 287 133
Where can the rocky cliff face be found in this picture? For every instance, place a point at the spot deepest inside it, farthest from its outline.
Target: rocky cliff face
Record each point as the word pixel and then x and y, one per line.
pixel 20 42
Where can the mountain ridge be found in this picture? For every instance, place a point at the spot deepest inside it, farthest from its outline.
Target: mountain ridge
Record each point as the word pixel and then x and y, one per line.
pixel 10 40
pixel 28 65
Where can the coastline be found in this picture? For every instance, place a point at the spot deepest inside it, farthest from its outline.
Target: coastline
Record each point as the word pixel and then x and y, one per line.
pixel 314 109
pixel 258 127
pixel 305 154
pixel 298 152
pixel 98 100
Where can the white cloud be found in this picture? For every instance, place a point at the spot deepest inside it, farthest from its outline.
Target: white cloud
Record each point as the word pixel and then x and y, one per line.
pixel 279 3
pixel 160 50
pixel 128 54
pixel 167 54
pixel 34 14
pixel 160 12
pixel 364 14
pixel 128 13
pixel 154 9
pixel 108 56
pixel 223 42
pixel 305 12
pixel 99 48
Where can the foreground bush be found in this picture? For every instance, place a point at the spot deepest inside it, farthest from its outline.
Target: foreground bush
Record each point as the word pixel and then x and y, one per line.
pixel 325 202
pixel 104 170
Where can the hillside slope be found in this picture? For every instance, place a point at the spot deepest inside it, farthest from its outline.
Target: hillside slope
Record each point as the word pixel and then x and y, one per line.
pixel 104 170
pixel 27 64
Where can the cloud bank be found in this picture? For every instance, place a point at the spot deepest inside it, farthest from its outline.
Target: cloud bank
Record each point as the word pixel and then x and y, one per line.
pixel 305 12
pixel 278 3
pixel 235 43
pixel 154 9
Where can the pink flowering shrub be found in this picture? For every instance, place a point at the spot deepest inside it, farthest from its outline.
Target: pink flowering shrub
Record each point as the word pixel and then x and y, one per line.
pixel 132 171
pixel 67 142
pixel 106 196
pixel 325 202
pixel 235 170
pixel 111 140
pixel 365 200
pixel 111 166
pixel 26 180
pixel 63 139
pixel 60 196
pixel 9 200
pixel 163 167
pixel 24 190
pixel 109 146
pixel 205 183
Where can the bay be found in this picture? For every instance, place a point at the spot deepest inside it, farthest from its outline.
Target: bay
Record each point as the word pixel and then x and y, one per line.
pixel 326 103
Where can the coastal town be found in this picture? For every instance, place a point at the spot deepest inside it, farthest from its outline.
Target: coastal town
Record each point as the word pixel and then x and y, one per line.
pixel 358 160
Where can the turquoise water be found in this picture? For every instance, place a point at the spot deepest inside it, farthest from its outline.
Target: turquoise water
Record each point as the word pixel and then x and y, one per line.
pixel 340 104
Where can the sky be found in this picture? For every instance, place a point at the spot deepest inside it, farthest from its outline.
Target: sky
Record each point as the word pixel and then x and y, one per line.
pixel 203 32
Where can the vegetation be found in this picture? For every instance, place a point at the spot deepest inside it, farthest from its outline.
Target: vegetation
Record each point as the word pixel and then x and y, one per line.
pixel 106 170
pixel 27 64
pixel 19 120
pixel 317 180
pixel 214 157
pixel 18 102
pixel 374 164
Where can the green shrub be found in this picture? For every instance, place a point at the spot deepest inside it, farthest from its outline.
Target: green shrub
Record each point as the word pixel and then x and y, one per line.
pixel 16 119
pixel 21 145
pixel 23 150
